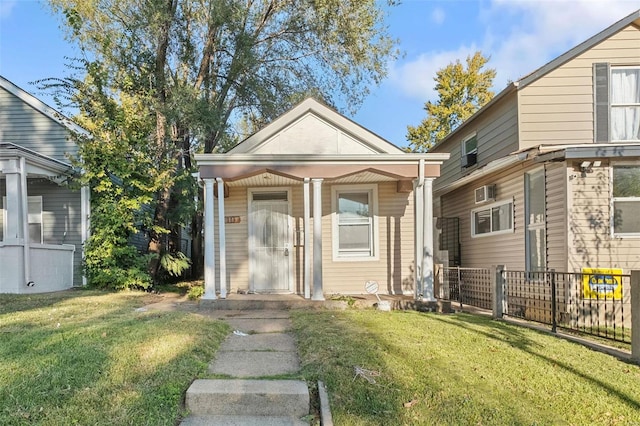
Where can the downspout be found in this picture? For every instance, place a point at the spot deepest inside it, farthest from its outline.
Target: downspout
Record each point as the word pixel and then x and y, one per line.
pixel 419 226
pixel 25 223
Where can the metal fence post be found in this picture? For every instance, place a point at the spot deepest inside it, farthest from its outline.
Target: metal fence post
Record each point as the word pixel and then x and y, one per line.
pixel 554 323
pixel 497 282
pixel 635 315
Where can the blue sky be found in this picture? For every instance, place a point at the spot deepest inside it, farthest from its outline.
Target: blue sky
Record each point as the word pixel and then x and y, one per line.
pixel 519 35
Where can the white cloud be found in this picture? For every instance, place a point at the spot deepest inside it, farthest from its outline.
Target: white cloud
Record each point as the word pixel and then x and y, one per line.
pixel 416 78
pixel 6 6
pixel 437 15
pixel 520 36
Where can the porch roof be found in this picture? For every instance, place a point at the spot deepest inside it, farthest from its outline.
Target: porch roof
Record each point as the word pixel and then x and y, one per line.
pixel 342 168
pixel 37 164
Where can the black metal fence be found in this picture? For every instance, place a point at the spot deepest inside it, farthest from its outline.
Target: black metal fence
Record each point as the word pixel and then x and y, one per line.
pixel 596 303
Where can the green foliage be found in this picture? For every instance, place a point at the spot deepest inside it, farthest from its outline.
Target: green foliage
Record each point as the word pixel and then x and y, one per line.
pixel 195 292
pixel 461 92
pixel 170 78
pixel 175 264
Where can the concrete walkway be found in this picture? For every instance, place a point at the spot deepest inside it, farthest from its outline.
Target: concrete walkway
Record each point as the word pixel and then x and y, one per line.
pixel 250 363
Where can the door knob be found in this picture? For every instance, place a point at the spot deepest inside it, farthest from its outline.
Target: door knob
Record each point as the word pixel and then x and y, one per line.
pixel 286 252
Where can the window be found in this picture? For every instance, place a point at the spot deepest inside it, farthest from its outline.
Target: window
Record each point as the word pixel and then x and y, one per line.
pixel 469 151
pixel 496 218
pixel 626 200
pixel 354 222
pixel 625 104
pixel 34 215
pixel 535 237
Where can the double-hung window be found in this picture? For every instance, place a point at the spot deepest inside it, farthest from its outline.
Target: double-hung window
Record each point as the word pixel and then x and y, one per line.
pixel 354 222
pixel 625 103
pixel 617 103
pixel 626 200
pixel 496 218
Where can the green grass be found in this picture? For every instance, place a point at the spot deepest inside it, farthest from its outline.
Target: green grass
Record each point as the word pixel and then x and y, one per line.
pixel 460 369
pixel 89 358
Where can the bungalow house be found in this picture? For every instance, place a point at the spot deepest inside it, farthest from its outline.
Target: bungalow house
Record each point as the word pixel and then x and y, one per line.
pixel 43 223
pixel 315 204
pixel 547 174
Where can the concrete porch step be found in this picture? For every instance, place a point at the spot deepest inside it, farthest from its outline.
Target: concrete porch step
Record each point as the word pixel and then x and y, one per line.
pixel 273 398
pixel 242 421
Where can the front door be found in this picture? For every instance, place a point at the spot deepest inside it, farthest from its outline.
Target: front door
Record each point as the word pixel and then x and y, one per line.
pixel 269 241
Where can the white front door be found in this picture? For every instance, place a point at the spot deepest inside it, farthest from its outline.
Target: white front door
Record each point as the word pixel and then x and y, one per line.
pixel 269 241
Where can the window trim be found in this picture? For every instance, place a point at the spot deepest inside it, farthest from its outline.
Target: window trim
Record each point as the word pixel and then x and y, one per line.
pixel 490 207
pixel 536 226
pixel 614 234
pixel 372 190
pixel 464 144
pixel 612 68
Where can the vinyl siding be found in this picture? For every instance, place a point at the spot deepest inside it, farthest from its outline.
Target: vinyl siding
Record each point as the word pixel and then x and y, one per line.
pixel 503 249
pixel 393 270
pixel 591 244
pixel 558 108
pixel 496 131
pixel 22 125
pixel 556 219
pixel 61 217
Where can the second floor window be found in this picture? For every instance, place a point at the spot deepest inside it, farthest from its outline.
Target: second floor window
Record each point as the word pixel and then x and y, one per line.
pixel 625 103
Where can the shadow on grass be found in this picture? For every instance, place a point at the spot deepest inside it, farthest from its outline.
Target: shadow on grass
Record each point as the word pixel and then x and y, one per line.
pixel 90 358
pixel 441 367
pixel 503 332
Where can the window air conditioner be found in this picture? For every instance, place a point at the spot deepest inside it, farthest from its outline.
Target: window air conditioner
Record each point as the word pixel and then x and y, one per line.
pixel 485 193
pixel 469 160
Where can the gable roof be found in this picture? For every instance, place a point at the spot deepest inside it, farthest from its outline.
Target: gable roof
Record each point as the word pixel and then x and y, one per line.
pixel 41 107
pixel 314 108
pixel 633 18
pixel 512 88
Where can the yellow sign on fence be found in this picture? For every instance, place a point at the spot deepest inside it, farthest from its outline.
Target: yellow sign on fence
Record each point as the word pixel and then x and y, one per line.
pixel 602 283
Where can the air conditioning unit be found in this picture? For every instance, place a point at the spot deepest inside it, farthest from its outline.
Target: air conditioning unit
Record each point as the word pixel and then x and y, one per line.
pixel 469 160
pixel 485 193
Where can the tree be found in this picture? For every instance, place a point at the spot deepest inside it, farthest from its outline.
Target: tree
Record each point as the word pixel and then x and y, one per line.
pixel 194 68
pixel 461 92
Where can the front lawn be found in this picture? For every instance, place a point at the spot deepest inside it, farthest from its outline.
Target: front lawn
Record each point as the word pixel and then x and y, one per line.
pixel 90 358
pixel 419 368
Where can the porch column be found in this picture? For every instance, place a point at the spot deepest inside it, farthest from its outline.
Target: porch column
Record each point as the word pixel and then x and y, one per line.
pixel 307 239
pixel 209 246
pixel 317 240
pixel 427 242
pixel 14 214
pixel 222 240
pixel 85 211
pixel 418 237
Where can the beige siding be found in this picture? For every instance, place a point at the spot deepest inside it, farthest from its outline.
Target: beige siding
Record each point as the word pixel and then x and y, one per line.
pixel 556 220
pixel 558 108
pixel 22 125
pixel 496 131
pixel 589 231
pixel 505 249
pixel 393 270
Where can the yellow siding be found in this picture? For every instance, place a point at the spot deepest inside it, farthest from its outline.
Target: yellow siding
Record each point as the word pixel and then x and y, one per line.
pixel 589 228
pixel 558 108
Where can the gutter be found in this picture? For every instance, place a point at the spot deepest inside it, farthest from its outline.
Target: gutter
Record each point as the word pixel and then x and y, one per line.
pixel 492 167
